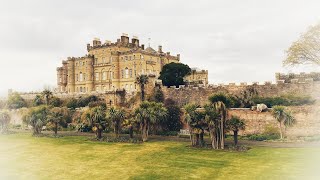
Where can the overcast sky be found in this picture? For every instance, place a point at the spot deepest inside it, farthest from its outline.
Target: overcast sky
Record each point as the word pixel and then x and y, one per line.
pixel 237 41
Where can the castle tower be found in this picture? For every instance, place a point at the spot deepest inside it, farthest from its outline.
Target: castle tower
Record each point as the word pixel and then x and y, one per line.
pixel 90 79
pixel 59 79
pixel 71 76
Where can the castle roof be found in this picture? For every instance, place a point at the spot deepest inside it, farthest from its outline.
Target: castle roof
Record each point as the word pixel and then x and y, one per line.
pixel 150 50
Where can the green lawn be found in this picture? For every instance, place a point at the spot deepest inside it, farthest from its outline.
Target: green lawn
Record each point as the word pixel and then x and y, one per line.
pixel 26 157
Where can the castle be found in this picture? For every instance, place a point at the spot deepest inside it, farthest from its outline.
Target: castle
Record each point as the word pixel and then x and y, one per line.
pixel 115 66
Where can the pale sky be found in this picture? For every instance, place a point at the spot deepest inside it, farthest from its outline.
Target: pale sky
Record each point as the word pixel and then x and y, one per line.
pixel 237 41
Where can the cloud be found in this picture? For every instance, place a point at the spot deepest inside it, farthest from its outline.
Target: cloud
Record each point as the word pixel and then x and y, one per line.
pixel 235 40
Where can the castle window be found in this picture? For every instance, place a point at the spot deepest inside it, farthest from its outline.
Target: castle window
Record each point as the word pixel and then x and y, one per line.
pixel 81 77
pixel 60 79
pixel 122 73
pixel 127 72
pixel 84 77
pixel 104 60
pixel 134 56
pixel 104 75
pixel 80 89
pixel 76 64
pixel 97 76
pixel 77 77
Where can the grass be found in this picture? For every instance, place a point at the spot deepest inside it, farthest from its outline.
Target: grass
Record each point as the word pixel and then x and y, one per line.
pixel 74 157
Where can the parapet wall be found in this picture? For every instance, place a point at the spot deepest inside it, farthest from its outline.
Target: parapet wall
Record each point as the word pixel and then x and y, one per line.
pixel 307 121
pixel 199 95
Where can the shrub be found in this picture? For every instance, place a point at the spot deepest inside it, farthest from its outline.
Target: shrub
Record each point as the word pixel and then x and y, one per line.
pixel 285 100
pixel 262 137
pixel 168 133
pixel 15 101
pixel 71 103
pixel 97 103
pixel 55 102
pixel 226 99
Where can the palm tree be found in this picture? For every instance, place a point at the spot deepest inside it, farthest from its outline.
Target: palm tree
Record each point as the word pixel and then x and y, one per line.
pixel 47 94
pixel 37 100
pixel 96 118
pixel 57 116
pixel 283 117
pixel 142 80
pixel 215 118
pixel 235 124
pixel 116 117
pixel 194 119
pixel 212 119
pixel 37 118
pixel 149 113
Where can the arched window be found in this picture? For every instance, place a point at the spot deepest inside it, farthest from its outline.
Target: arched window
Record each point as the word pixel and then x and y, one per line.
pixel 127 72
pixel 97 76
pixel 81 76
pixel 104 60
pixel 104 75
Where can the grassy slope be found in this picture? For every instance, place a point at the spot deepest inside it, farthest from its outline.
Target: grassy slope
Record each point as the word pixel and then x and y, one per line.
pixel 26 157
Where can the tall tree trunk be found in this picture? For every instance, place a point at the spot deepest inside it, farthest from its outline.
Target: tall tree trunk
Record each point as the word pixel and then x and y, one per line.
pixel 55 128
pixel 144 132
pixel 222 133
pixel 99 136
pixel 235 137
pixel 281 135
pixel 142 92
pixel 212 138
pixel 131 132
pixel 201 138
pixel 197 139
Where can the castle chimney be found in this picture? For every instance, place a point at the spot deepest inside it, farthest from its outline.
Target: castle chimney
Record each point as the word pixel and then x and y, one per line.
pixel 107 42
pixel 124 38
pixel 160 49
pixel 88 46
pixel 142 46
pixel 178 57
pixel 135 41
pixel 96 42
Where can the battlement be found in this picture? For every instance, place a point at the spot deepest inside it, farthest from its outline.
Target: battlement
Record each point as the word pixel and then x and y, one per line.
pixel 298 78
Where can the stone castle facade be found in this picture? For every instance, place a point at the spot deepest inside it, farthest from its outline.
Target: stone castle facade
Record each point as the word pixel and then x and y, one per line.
pixel 114 66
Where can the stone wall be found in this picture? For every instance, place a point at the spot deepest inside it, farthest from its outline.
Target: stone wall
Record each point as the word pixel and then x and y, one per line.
pixel 307 117
pixel 199 95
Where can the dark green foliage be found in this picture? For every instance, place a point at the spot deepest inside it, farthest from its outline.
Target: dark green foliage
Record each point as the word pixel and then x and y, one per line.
pixel 37 101
pixel 262 137
pixel 55 102
pixel 172 120
pixel 157 95
pixel 97 103
pixel 285 100
pixel 172 74
pixel 226 99
pixel 15 101
pixel 84 101
pixel 71 103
